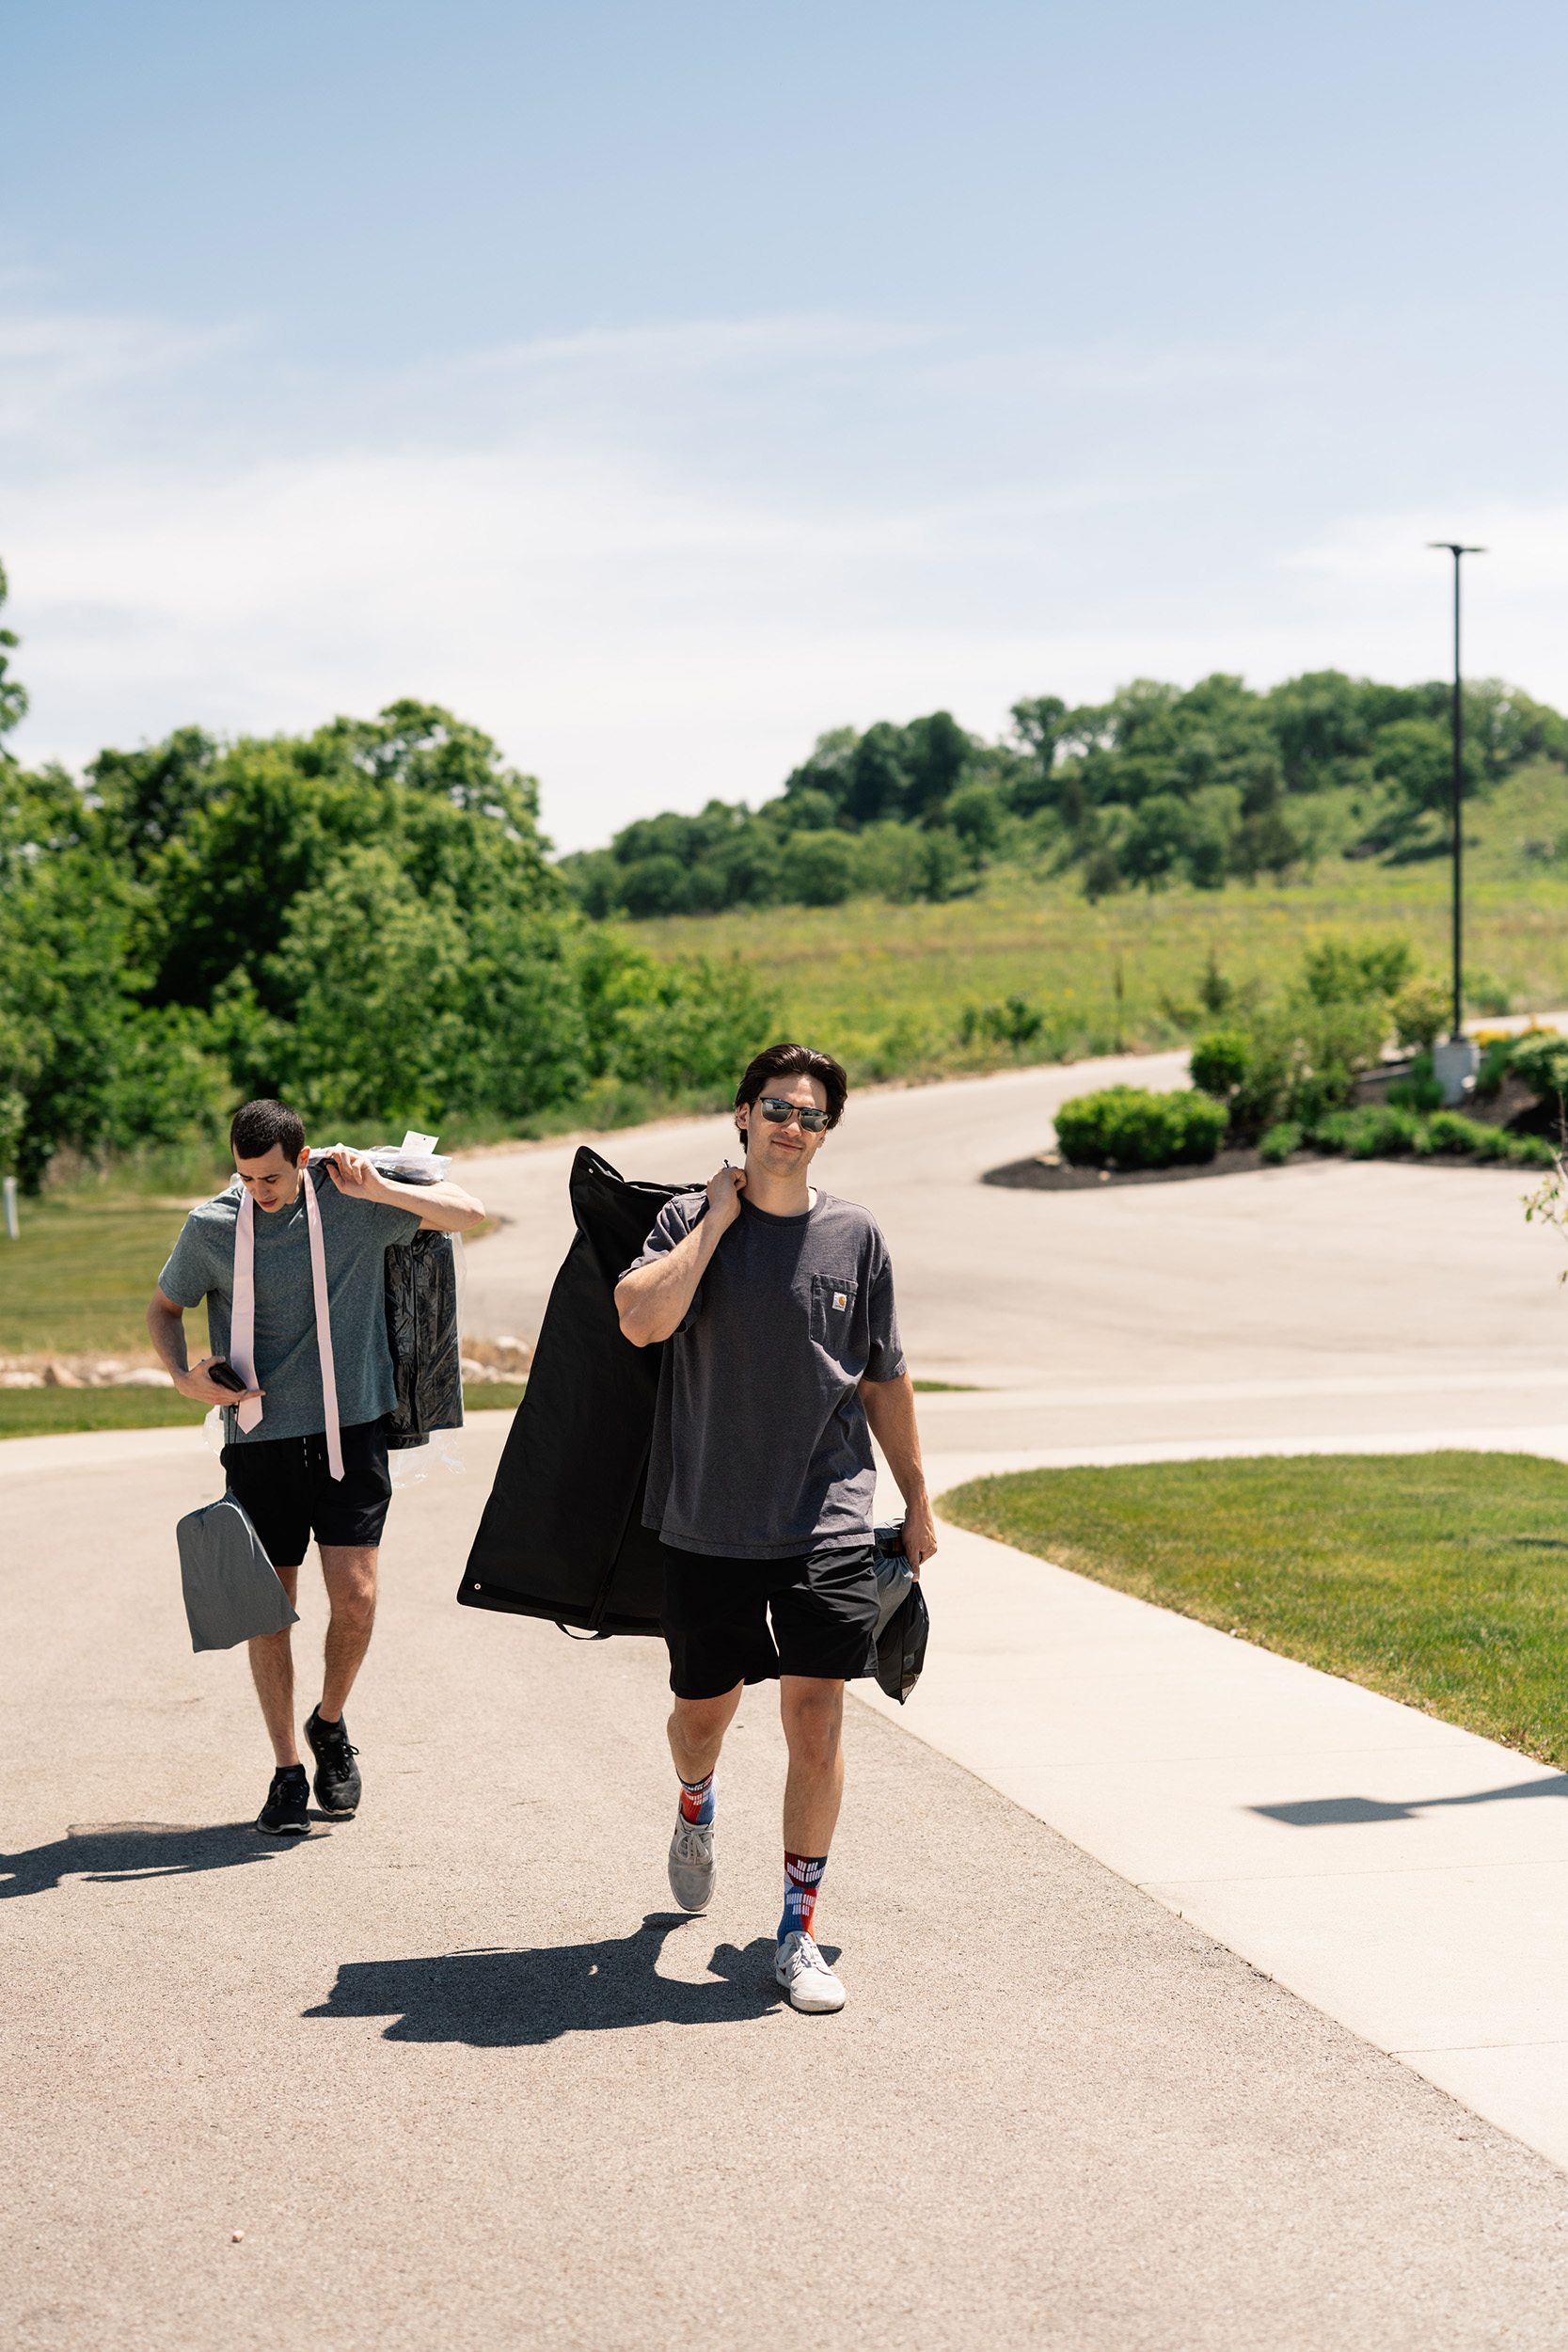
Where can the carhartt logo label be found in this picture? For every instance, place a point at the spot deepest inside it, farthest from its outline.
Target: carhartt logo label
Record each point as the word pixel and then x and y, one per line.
pixel 841 1298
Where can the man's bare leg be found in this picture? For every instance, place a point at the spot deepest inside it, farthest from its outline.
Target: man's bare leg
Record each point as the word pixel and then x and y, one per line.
pixel 811 1711
pixel 812 1714
pixel 271 1670
pixel 349 1573
pixel 697 1728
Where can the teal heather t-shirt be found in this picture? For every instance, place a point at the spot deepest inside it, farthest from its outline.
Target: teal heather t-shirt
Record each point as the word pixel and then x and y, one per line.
pixel 356 1235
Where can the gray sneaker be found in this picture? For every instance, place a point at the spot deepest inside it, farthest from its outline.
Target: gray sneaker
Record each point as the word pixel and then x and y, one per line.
pixel 806 1976
pixel 692 1869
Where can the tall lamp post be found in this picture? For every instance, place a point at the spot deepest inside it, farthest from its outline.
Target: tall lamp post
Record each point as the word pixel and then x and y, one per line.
pixel 1454 1064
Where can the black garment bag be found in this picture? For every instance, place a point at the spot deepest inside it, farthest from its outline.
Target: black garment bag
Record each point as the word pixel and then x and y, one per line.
pixel 563 1534
pixel 424 1333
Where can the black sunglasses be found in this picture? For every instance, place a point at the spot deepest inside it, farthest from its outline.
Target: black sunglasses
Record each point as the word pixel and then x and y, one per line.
pixel 777 1111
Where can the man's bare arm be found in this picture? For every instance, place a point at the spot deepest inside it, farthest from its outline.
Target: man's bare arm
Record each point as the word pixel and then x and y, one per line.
pixel 890 1409
pixel 166 1328
pixel 443 1208
pixel 652 1300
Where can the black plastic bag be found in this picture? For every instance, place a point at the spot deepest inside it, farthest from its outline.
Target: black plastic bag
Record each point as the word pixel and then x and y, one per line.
pixel 562 1535
pixel 903 1622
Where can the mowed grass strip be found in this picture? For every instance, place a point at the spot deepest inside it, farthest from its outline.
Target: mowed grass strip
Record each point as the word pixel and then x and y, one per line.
pixel 1438 1579
pixel 79 1278
pixel 47 1412
pixel 50 1412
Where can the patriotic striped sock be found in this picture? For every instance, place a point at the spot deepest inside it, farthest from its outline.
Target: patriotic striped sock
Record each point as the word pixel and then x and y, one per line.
pixel 802 1877
pixel 697 1801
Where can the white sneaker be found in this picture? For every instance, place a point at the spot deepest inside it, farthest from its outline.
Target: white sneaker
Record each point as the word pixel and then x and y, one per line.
pixel 693 1871
pixel 806 1976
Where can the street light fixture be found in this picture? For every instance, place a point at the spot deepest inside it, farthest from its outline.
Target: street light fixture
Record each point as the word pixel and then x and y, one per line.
pixel 1458 551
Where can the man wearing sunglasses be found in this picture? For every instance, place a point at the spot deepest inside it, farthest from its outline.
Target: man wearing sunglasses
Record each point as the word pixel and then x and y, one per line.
pixel 776 1300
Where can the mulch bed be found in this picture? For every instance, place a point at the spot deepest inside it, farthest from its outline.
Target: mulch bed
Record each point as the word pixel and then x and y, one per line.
pixel 1037 1176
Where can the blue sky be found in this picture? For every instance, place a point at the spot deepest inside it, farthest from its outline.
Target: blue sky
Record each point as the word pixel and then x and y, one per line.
pixel 659 387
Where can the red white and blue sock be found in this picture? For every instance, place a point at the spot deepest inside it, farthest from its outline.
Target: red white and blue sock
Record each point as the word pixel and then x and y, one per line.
pixel 802 1877
pixel 697 1801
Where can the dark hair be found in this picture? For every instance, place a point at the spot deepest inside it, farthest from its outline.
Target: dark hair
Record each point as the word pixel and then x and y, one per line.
pixel 254 1130
pixel 795 1061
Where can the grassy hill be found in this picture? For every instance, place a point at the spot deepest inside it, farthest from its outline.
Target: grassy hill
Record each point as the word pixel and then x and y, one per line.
pixel 887 986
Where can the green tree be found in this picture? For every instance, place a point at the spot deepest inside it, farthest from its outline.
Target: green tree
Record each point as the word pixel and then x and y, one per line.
pixel 13 694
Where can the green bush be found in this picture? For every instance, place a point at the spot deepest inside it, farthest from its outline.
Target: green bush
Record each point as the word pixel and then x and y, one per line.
pixel 1220 1062
pixel 1376 1131
pixel 1017 1022
pixel 1280 1141
pixel 1379 1132
pixel 1130 1127
pixel 1420 1091
pixel 1420 1012
pixel 1539 1059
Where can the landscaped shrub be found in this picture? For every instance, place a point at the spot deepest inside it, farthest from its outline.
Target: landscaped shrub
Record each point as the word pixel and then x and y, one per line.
pixel 1420 1091
pixel 1130 1127
pixel 1382 1132
pixel 1219 1062
pixel 1540 1058
pixel 1280 1141
pixel 1421 1011
pixel 1374 1132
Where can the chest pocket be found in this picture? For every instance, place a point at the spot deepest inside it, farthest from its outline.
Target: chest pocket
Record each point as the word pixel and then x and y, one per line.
pixel 832 1311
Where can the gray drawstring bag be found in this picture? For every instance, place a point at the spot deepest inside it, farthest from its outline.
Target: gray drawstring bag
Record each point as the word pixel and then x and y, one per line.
pixel 232 1591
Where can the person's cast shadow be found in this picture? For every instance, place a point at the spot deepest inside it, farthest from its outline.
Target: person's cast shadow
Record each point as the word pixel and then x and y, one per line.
pixel 106 1851
pixel 508 1999
pixel 495 1998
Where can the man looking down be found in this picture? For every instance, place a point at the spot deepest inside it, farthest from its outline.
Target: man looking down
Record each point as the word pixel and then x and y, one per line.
pixel 782 1360
pixel 279 1462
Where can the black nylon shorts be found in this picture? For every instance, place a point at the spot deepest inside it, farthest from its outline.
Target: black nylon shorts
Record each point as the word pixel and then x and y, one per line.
pixel 715 1618
pixel 289 1491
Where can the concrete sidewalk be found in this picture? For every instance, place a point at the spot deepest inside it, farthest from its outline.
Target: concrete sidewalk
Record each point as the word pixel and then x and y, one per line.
pixel 463 2080
pixel 1409 1879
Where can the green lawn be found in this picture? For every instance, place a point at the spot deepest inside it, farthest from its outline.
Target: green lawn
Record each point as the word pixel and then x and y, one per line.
pixel 1439 1579
pixel 78 1281
pixel 45 1412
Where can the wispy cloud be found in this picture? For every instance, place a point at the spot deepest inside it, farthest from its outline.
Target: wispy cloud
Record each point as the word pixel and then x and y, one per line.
pixel 655 561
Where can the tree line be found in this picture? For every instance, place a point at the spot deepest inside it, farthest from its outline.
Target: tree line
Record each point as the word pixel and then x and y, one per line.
pixel 366 920
pixel 1206 785
pixel 363 920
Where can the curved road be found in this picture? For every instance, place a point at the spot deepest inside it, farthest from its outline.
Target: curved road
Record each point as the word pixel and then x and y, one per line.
pixel 1334 1299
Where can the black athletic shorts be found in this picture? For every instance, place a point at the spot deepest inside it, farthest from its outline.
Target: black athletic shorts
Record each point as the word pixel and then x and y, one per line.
pixel 290 1493
pixel 715 1618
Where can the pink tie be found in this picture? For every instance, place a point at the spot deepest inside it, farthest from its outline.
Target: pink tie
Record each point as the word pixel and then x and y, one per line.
pixel 242 1334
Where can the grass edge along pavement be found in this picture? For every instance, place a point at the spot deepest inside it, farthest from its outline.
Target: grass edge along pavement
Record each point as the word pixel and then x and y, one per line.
pixel 53 1412
pixel 1439 1580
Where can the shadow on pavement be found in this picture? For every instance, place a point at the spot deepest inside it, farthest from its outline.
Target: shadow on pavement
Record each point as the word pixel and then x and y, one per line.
pixel 1319 1812
pixel 110 1852
pixel 509 2000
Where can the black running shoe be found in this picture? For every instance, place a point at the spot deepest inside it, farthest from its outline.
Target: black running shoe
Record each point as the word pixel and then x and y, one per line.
pixel 283 1813
pixel 338 1785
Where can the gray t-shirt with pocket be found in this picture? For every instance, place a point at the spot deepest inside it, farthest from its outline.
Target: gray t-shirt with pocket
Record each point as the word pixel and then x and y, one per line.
pixel 354 1238
pixel 761 1449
